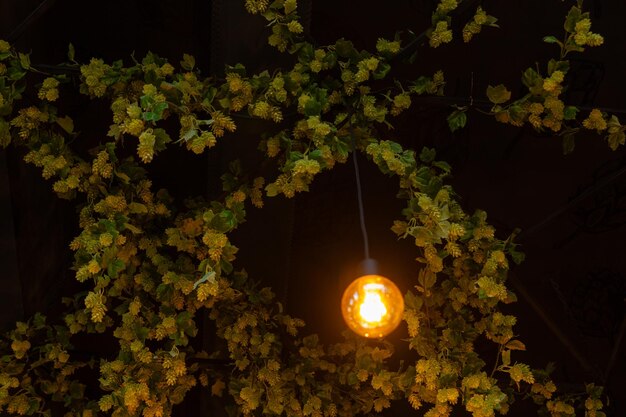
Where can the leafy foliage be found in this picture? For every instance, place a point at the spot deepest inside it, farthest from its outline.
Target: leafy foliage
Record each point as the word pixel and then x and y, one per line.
pixel 151 265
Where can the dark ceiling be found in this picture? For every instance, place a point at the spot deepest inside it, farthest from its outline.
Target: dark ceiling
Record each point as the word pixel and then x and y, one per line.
pixel 572 209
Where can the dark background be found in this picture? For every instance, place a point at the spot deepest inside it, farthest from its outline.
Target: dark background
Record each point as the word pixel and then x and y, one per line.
pixel 571 209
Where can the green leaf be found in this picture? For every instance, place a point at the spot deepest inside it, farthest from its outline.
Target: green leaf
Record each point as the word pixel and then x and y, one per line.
pixel 316 154
pixel 593 390
pixel 146 101
pixel 518 257
pixel 412 301
pixel 66 123
pixel 115 267
pixel 457 120
pixel 344 48
pixel 225 221
pixel 420 86
pixel 551 39
pixel 422 234
pixel 290 6
pixel 531 78
pixel 312 108
pixel 141 333
pixel 506 357
pixel 442 165
pixel 554 65
pixel 574 48
pixel 16 73
pixel 426 278
pixel 569 113
pixel 33 405
pixel 209 95
pixel 573 16
pixel 149 116
pixel 271 190
pixel 162 138
pixel 294 156
pixel 306 53
pixel 114 131
pixel 164 292
pixel 191 133
pixel 159 108
pixel 224 102
pixel 395 146
pixel 517 113
pixel 24 60
pixel 123 177
pixel 188 62
pixel 427 155
pixel 498 94
pixel 491 21
pixel 107 226
pixel 134 229
pixel 430 279
pixel 616 139
pixel 39 320
pixel 137 208
pixel 226 266
pixel 71 53
pixel 381 71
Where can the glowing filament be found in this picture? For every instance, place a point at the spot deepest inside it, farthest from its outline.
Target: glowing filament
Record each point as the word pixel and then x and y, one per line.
pixel 372 310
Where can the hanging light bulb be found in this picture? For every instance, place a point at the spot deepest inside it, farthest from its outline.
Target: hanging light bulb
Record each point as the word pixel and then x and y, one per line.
pixel 372 305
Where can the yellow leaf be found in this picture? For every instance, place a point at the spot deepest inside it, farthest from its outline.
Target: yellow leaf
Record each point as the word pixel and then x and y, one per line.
pixel 217 388
pixel 498 94
pixel 137 208
pixel 133 229
pixel 515 345
pixel 188 62
pixel 66 123
pixel 506 357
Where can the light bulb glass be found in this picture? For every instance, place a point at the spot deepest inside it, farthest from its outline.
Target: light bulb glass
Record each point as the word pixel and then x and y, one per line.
pixel 372 306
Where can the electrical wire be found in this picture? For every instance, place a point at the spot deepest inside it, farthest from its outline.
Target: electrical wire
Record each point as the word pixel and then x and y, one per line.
pixel 589 191
pixel 35 14
pixel 359 194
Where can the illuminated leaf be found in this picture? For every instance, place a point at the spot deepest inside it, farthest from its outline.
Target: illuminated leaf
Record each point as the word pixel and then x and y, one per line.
pixel 24 60
pixel 218 388
pixel 498 94
pixel 66 123
pixel 515 345
pixel 188 62
pixel 506 357
pixel 573 16
pixel 551 39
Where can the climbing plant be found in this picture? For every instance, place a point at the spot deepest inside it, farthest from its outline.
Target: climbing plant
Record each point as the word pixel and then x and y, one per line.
pixel 150 266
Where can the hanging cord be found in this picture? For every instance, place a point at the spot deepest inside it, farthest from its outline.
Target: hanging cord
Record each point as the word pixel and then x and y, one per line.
pixel 359 194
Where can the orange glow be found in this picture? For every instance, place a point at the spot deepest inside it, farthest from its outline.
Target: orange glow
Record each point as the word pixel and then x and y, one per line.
pixel 372 306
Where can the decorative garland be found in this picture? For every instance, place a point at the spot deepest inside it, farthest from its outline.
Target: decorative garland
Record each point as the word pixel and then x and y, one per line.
pixel 151 266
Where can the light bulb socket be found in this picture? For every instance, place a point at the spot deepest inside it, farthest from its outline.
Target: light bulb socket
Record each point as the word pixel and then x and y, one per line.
pixel 368 266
